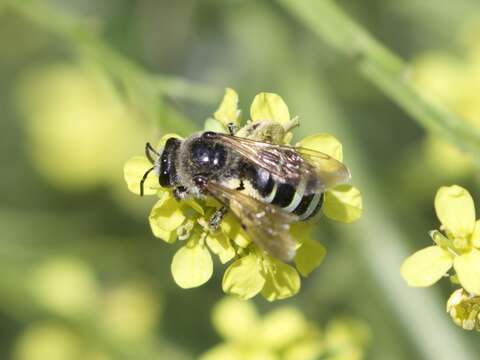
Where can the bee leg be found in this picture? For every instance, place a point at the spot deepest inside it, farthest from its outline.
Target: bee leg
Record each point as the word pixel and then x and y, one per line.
pixel 217 218
pixel 232 128
pixel 180 193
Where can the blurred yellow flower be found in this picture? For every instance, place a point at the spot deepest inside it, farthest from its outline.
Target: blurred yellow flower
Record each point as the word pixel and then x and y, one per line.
pixel 282 334
pixel 47 341
pixel 457 244
pixel 451 81
pixel 252 271
pixel 79 131
pixel 66 286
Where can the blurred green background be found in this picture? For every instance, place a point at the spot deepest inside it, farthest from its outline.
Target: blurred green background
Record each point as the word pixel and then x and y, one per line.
pixel 84 84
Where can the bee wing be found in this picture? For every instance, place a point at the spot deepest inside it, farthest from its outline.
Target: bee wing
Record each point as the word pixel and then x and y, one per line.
pixel 267 225
pixel 291 164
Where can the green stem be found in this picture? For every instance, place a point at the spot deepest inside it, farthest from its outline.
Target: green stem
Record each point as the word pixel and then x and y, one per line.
pixel 383 68
pixel 142 88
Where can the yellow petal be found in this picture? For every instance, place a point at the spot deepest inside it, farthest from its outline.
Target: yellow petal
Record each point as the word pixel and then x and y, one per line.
pixel 324 143
pixel 282 327
pixel 235 319
pixel 343 203
pixel 220 245
pixel 228 110
pixel 214 125
pixel 243 277
pixel 467 267
pixel 426 266
pixel 282 281
pixel 165 217
pixel 192 265
pixel 133 172
pixel 309 256
pixel 164 138
pixel 455 210
pixel 476 235
pixel 269 106
pixel 231 227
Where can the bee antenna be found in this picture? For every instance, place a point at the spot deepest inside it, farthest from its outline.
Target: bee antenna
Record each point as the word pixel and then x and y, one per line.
pixel 145 178
pixel 148 152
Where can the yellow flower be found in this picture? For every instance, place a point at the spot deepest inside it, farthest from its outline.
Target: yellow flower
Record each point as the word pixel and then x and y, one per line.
pixel 457 244
pixel 464 309
pixel 251 271
pixel 452 81
pixel 283 333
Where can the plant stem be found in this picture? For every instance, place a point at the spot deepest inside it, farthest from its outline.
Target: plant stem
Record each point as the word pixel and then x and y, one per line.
pixel 383 68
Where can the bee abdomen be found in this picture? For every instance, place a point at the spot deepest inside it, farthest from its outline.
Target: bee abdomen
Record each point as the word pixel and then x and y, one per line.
pixel 284 195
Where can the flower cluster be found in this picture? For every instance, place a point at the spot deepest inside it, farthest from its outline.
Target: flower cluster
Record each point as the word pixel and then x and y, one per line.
pixel 457 245
pixel 251 270
pixel 67 289
pixel 282 334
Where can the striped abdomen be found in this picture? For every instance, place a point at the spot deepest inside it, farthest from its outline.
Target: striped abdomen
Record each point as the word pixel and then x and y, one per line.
pixel 284 195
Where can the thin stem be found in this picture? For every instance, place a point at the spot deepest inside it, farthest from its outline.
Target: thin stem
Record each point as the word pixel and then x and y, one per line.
pixel 145 87
pixel 383 68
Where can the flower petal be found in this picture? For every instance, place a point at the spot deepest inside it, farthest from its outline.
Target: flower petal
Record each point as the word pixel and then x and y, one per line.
pixel 282 327
pixel 476 235
pixel 165 217
pixel 269 106
pixel 426 267
pixel 235 319
pixel 133 171
pixel 192 265
pixel 467 267
pixel 228 111
pixel 324 143
pixel 164 138
pixel 343 203
pixel 309 256
pixel 455 210
pixel 282 280
pixel 220 245
pixel 231 227
pixel 214 125
pixel 243 277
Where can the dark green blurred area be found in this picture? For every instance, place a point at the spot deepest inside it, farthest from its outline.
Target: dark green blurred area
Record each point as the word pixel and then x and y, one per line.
pixel 251 46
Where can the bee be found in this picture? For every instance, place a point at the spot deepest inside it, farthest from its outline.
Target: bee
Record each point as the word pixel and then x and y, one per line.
pixel 267 186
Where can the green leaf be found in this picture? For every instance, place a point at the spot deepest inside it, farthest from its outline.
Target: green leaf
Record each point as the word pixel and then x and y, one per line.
pixel 243 277
pixel 426 267
pixel 343 203
pixel 467 267
pixel 269 106
pixel 192 265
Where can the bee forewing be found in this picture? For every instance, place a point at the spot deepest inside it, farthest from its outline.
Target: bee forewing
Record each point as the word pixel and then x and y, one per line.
pixel 291 165
pixel 267 225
